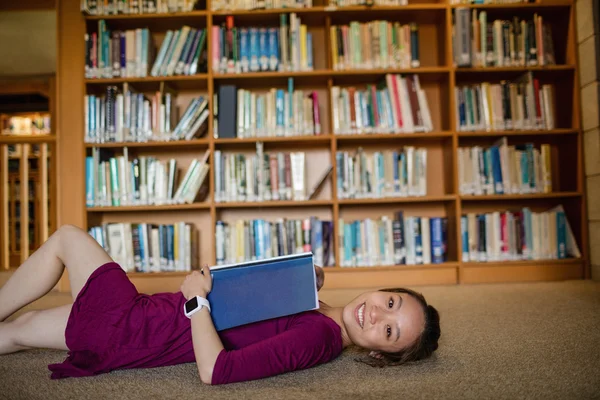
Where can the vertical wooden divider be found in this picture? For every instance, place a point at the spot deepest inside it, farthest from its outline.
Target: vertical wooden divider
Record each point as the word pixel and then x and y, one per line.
pixel 4 249
pixel 42 198
pixel 24 216
pixel 211 138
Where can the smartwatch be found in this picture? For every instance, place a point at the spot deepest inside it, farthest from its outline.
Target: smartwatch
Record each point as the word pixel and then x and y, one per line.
pixel 194 305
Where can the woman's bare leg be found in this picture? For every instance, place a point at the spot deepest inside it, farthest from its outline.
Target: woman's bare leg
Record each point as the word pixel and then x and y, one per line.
pixel 35 329
pixel 68 247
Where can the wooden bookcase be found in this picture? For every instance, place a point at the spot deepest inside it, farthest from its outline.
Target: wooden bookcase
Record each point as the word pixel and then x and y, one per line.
pixel 438 78
pixel 27 158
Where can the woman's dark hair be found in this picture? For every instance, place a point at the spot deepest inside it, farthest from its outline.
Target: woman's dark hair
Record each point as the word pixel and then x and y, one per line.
pixel 423 346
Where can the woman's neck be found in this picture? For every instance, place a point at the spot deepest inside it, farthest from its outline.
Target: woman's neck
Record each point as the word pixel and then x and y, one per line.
pixel 336 313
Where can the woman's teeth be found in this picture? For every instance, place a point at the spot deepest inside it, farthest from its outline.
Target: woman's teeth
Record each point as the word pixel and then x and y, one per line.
pixel 361 315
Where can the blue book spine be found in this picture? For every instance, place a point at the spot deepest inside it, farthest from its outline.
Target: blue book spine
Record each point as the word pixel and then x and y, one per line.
pixel 437 244
pixel 497 170
pixel 527 217
pixel 318 227
pixel 89 181
pixel 170 248
pixel 259 114
pixel 381 176
pixel 532 182
pixel 279 105
pixel 348 244
pixel 414 45
pixel 561 234
pixel 525 169
pixel 461 109
pixel 259 239
pixel 123 59
pixel 486 165
pixel 290 102
pixel 418 240
pixel 263 46
pixel 144 260
pixel 339 160
pixel 357 249
pixel 309 51
pixel 382 242
pixel 244 49
pixel 366 121
pixel 273 49
pixel 396 172
pixel 388 105
pixel 254 51
pixel 464 233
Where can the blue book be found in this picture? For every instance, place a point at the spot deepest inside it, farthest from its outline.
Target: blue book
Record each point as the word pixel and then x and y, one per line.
pixel 348 244
pixel 309 53
pixel 255 291
pixel 497 170
pixel 254 51
pixel 263 47
pixel 418 240
pixel 280 108
pixel 561 234
pixel 273 49
pixel 244 49
pixel 464 234
pixel 89 182
pixel 170 248
pixel 437 242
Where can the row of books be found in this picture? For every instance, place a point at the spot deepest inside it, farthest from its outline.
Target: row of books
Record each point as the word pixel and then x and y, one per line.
pixel 255 239
pixel 403 240
pixel 349 3
pixel 498 43
pixel 114 7
pixel 382 173
pixel 375 44
pixel 520 235
pixel 222 5
pixel 117 181
pixel 277 112
pixel 504 169
pixel 254 49
pixel 260 177
pixel 110 54
pixel 521 104
pixel 397 105
pixel 33 124
pixel 129 116
pixel 490 1
pixel 147 247
pixel 182 52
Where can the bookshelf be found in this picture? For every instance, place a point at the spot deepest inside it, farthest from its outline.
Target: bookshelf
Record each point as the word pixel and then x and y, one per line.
pixel 438 76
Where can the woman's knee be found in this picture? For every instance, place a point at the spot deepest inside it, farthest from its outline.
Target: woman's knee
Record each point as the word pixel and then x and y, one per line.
pixel 69 231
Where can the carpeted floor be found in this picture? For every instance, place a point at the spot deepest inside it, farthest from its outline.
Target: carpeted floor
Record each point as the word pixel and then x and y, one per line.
pixel 518 341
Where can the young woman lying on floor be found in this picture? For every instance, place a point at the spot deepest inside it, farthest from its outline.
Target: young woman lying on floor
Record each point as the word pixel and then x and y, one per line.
pixel 111 326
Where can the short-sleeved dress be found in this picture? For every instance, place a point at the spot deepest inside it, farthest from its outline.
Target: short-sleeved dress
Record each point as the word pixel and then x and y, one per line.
pixel 112 326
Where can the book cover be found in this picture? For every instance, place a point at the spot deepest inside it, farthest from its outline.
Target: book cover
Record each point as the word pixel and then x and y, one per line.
pixel 260 290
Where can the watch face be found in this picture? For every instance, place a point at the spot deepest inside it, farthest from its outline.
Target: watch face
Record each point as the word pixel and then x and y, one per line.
pixel 191 305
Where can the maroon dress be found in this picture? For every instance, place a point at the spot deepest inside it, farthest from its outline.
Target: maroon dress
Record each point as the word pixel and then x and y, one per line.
pixel 112 326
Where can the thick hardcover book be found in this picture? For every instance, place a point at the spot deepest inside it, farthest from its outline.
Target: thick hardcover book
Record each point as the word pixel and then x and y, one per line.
pixel 260 290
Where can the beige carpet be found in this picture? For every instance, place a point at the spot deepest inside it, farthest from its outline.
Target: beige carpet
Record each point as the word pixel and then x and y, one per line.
pixel 518 341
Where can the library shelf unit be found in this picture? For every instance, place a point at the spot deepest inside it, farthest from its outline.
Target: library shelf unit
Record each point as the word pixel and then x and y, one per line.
pixel 27 210
pixel 438 76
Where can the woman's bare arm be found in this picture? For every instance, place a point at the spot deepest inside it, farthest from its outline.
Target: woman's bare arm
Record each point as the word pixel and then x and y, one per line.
pixel 207 343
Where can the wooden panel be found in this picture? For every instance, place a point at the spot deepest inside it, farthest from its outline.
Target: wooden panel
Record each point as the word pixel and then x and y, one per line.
pixel 24 216
pixel 27 5
pixel 382 278
pixel 42 197
pixel 4 249
pixel 544 271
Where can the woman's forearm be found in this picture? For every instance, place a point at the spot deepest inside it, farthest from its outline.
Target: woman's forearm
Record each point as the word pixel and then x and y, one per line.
pixel 207 344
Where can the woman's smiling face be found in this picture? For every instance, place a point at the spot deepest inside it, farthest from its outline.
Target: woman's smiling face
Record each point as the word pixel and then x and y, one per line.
pixel 383 321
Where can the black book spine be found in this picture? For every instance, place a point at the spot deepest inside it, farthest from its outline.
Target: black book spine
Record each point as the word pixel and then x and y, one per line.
pixel 227 111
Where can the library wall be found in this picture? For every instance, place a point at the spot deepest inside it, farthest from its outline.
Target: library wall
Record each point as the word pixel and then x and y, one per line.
pixel 588 38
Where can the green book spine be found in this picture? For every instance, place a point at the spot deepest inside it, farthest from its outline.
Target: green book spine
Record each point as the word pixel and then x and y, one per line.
pixel 114 182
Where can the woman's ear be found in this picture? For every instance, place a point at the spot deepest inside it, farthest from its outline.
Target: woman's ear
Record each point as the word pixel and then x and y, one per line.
pixel 375 354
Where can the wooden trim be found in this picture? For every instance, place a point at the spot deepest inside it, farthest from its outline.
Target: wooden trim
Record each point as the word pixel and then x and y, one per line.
pixel 43 196
pixel 24 217
pixel 4 234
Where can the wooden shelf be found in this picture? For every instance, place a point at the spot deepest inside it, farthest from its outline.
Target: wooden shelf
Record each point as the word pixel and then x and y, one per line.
pixel 532 196
pixel 169 144
pixel 338 269
pixel 166 207
pixel 561 131
pixel 276 139
pixel 393 200
pixel 273 204
pixel 412 7
pixel 270 11
pixel 367 137
pixel 495 264
pixel 523 68
pixel 111 81
pixel 27 139
pixel 199 13
pixel 547 4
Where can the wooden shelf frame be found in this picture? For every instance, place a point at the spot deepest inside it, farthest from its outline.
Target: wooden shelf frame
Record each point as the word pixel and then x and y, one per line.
pixel 444 76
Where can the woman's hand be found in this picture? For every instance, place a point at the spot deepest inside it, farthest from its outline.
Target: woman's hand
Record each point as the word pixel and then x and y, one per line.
pixel 198 283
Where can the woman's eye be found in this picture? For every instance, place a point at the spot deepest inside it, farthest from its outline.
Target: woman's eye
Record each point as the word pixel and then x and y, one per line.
pixel 389 331
pixel 391 303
